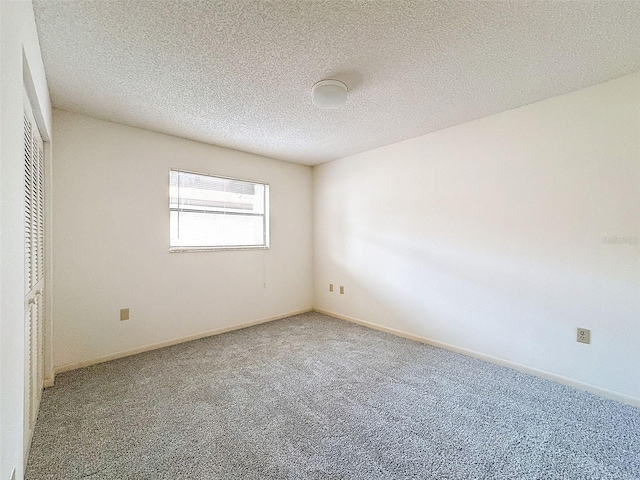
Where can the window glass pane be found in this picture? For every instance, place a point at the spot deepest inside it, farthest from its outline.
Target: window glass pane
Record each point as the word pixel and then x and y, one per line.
pixel 217 212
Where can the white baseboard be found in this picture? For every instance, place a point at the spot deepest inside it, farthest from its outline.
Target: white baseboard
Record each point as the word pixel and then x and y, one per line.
pixel 635 402
pixel 168 343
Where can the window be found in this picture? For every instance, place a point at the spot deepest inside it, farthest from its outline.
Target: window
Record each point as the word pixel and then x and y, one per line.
pixel 210 213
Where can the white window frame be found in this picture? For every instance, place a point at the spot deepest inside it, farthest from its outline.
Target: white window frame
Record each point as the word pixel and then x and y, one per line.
pixel 213 248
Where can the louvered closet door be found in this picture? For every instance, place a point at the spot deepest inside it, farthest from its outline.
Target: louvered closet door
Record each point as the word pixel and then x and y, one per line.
pixel 34 267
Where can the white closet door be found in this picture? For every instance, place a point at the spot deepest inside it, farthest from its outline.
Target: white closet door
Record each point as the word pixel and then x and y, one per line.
pixel 34 268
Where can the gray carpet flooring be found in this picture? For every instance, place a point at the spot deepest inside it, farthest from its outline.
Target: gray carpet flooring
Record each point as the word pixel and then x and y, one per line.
pixel 312 397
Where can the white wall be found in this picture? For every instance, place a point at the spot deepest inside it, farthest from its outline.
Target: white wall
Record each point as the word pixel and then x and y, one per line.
pixel 111 242
pixel 488 236
pixel 18 43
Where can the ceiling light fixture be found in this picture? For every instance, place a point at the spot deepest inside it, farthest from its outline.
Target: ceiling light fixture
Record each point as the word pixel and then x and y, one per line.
pixel 329 94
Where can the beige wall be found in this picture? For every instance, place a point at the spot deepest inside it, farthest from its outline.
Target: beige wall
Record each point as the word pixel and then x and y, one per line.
pixel 490 236
pixel 20 63
pixel 111 242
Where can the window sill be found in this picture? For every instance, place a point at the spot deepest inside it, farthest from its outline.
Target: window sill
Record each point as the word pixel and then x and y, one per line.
pixel 213 249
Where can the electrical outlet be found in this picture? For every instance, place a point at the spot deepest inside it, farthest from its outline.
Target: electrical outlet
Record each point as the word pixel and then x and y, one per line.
pixel 341 290
pixel 331 287
pixel 124 314
pixel 584 335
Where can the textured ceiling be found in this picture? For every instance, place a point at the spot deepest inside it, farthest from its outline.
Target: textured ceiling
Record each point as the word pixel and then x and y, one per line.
pixel 239 73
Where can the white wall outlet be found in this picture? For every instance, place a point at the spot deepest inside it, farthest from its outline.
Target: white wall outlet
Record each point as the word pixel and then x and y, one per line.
pixel 584 335
pixel 341 290
pixel 124 314
pixel 331 287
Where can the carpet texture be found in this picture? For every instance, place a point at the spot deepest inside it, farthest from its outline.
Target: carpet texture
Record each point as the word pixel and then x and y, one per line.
pixel 312 397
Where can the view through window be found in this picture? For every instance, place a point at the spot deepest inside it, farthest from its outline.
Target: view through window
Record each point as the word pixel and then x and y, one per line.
pixel 209 212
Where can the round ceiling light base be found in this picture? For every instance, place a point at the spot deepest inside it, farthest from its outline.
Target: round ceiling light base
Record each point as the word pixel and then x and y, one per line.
pixel 329 94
